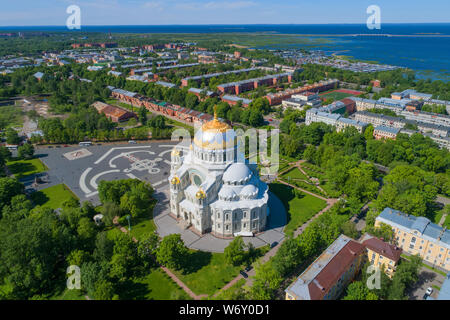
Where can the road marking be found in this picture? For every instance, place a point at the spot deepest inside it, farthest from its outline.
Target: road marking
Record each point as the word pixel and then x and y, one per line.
pixel 158 183
pixel 167 145
pixel 132 176
pixel 168 162
pixel 164 152
pixel 94 179
pixel 123 154
pixel 91 194
pixel 83 176
pixel 119 148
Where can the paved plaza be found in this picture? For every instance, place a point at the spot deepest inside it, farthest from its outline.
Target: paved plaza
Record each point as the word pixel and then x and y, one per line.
pixel 82 168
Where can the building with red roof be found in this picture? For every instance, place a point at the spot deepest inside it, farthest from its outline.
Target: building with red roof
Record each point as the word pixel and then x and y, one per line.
pixel 382 253
pixel 328 276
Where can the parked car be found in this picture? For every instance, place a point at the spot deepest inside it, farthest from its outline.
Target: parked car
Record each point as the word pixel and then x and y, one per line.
pixel 243 274
pixel 429 291
pixel 248 268
pixel 132 142
pixel 274 244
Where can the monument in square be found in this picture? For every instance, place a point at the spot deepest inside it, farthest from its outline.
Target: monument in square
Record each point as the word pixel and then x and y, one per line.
pixel 213 189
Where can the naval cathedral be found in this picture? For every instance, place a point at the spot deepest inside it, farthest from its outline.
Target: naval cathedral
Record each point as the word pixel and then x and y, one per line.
pixel 213 189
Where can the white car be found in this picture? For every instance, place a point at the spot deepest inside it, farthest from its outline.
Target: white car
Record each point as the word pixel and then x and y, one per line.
pixel 429 291
pixel 132 142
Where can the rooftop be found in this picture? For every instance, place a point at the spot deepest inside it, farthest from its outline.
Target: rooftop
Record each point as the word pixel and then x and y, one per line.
pixel 320 276
pixel 420 224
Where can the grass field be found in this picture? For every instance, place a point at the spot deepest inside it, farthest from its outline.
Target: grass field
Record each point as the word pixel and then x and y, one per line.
pixel 336 95
pixel 208 272
pixel 24 168
pixel 53 197
pixel 157 285
pixel 140 226
pixel 299 210
pixel 294 173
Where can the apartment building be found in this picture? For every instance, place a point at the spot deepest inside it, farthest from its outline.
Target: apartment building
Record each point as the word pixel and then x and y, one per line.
pixel 383 132
pixel 343 123
pixel 315 115
pixel 379 119
pixel 418 235
pixel 363 104
pixel 328 276
pixel 381 253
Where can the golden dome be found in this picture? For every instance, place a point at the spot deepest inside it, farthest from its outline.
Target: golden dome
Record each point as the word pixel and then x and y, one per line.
pixel 215 135
pixel 175 180
pixel 215 125
pixel 200 194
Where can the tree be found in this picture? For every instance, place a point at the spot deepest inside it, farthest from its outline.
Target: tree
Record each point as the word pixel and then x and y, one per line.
pixel 406 274
pixel 172 252
pixel 110 210
pixel 349 229
pixel 104 290
pixel 92 272
pixel 235 252
pixel 287 257
pixel 265 282
pixel 358 291
pixel 78 257
pixel 26 151
pixel 86 229
pixel 147 248
pixel 8 189
pixel 31 251
pixel 12 137
pixel 103 247
pixel 143 115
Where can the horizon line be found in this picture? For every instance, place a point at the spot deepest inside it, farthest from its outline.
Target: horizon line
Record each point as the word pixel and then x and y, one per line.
pixel 219 24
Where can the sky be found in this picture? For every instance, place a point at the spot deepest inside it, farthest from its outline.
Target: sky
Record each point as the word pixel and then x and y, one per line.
pixel 188 12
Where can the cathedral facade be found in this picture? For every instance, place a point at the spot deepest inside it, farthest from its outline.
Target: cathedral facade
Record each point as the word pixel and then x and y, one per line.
pixel 213 189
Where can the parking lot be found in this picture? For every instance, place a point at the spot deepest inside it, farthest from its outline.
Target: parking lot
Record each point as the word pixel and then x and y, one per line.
pixel 427 278
pixel 82 168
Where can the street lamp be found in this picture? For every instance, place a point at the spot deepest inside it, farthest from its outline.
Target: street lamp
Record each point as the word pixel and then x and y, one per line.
pixel 129 222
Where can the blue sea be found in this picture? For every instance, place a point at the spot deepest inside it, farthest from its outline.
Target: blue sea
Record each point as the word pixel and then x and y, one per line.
pixel 421 47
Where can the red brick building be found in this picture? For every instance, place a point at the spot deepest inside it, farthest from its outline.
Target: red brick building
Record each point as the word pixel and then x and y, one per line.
pixel 115 114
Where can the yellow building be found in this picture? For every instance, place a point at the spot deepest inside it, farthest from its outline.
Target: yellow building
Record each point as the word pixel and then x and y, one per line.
pixel 417 235
pixel 381 253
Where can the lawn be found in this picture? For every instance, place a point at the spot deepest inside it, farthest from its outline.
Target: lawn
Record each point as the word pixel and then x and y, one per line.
pixel 53 197
pixel 299 210
pixel 336 95
pixel 208 272
pixel 157 285
pixel 294 173
pixel 140 226
pixel 24 168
